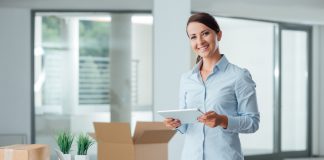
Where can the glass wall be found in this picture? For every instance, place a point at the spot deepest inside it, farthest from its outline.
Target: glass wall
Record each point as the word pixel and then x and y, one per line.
pixel 249 44
pixel 77 68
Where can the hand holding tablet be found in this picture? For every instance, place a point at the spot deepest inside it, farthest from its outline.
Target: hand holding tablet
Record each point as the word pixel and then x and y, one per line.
pixel 184 115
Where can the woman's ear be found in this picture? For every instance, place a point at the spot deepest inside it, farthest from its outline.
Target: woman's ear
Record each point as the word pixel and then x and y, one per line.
pixel 219 35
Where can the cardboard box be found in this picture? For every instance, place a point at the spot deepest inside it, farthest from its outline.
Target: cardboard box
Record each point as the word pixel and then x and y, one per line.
pixel 150 141
pixel 25 152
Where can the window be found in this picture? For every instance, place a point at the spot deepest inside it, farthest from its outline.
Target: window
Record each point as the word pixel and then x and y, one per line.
pixel 82 61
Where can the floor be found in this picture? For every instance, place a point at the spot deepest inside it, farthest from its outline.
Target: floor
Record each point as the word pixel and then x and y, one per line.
pixel 321 158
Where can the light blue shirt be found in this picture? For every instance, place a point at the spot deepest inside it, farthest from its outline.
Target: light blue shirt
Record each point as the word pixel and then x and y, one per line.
pixel 229 90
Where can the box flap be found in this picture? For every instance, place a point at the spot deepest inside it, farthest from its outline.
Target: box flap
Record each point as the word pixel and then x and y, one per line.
pixel 152 132
pixel 156 136
pixel 93 135
pixel 113 132
pixel 24 146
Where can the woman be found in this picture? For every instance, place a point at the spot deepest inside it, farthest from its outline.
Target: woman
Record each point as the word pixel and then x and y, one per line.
pixel 223 91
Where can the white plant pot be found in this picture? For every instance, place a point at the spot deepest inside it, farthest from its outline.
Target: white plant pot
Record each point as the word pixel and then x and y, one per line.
pixel 81 157
pixel 67 156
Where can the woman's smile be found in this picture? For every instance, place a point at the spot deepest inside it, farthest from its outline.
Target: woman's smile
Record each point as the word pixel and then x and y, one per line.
pixel 203 49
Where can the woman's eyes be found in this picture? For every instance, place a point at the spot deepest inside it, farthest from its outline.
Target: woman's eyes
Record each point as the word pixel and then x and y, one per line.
pixel 206 33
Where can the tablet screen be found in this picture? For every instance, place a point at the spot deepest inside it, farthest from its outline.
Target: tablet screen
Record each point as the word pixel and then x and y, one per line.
pixel 184 115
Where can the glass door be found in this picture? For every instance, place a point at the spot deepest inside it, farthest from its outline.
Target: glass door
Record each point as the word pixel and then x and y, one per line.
pixel 295 92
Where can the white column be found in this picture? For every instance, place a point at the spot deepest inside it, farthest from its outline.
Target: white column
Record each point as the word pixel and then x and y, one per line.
pixel 71 78
pixel 171 58
pixel 171 51
pixel 120 63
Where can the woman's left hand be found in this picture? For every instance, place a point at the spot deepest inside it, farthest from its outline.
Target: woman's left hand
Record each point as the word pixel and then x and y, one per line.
pixel 212 119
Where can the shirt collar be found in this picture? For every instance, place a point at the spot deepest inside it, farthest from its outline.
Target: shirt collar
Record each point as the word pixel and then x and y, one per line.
pixel 221 65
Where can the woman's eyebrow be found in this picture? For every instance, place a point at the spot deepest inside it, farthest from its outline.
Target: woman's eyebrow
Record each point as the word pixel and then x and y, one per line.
pixel 192 34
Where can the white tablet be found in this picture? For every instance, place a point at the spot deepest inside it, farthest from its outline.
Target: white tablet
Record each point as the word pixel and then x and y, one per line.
pixel 184 115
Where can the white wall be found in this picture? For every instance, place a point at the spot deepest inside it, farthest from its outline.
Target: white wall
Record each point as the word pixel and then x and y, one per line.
pixel 15 70
pixel 171 58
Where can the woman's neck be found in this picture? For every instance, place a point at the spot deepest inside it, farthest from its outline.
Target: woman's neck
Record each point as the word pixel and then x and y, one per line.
pixel 209 62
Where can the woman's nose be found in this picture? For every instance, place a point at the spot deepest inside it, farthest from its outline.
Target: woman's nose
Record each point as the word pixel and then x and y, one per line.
pixel 200 40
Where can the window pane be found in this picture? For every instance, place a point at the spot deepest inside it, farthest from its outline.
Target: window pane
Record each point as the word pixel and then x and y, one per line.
pixel 249 44
pixel 294 90
pixel 94 61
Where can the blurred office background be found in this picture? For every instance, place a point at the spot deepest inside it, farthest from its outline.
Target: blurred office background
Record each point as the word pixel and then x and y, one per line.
pixel 66 63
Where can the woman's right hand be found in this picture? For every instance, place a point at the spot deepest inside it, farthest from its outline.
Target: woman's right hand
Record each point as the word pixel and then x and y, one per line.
pixel 172 123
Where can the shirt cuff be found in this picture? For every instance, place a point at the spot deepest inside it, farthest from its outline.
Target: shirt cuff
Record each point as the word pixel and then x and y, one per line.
pixel 233 124
pixel 182 129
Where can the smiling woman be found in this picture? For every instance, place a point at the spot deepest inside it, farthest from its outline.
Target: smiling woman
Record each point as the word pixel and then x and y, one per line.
pixel 211 79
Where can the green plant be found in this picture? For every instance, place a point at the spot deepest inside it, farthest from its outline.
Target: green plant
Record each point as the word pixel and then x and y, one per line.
pixel 64 140
pixel 84 142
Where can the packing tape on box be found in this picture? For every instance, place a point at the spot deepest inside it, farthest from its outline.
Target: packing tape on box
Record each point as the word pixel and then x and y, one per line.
pixel 8 154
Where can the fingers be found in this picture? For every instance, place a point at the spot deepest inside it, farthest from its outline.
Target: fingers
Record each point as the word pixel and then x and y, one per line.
pixel 207 116
pixel 210 118
pixel 168 120
pixel 172 123
pixel 211 115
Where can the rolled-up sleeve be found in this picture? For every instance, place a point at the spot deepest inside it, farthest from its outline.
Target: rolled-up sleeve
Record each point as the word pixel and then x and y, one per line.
pixel 182 103
pixel 248 118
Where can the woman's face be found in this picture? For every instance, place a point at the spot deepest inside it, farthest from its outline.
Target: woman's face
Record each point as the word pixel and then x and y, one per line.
pixel 203 40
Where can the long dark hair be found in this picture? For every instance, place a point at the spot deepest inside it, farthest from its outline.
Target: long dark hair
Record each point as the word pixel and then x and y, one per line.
pixel 205 19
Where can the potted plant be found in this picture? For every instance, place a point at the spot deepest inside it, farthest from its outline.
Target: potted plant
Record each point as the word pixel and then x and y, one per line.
pixel 83 142
pixel 64 140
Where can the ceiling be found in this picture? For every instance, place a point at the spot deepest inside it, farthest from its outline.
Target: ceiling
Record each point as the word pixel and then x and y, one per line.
pixel 297 11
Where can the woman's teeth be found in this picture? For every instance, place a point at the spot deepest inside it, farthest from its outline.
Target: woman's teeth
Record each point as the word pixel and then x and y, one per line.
pixel 203 49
